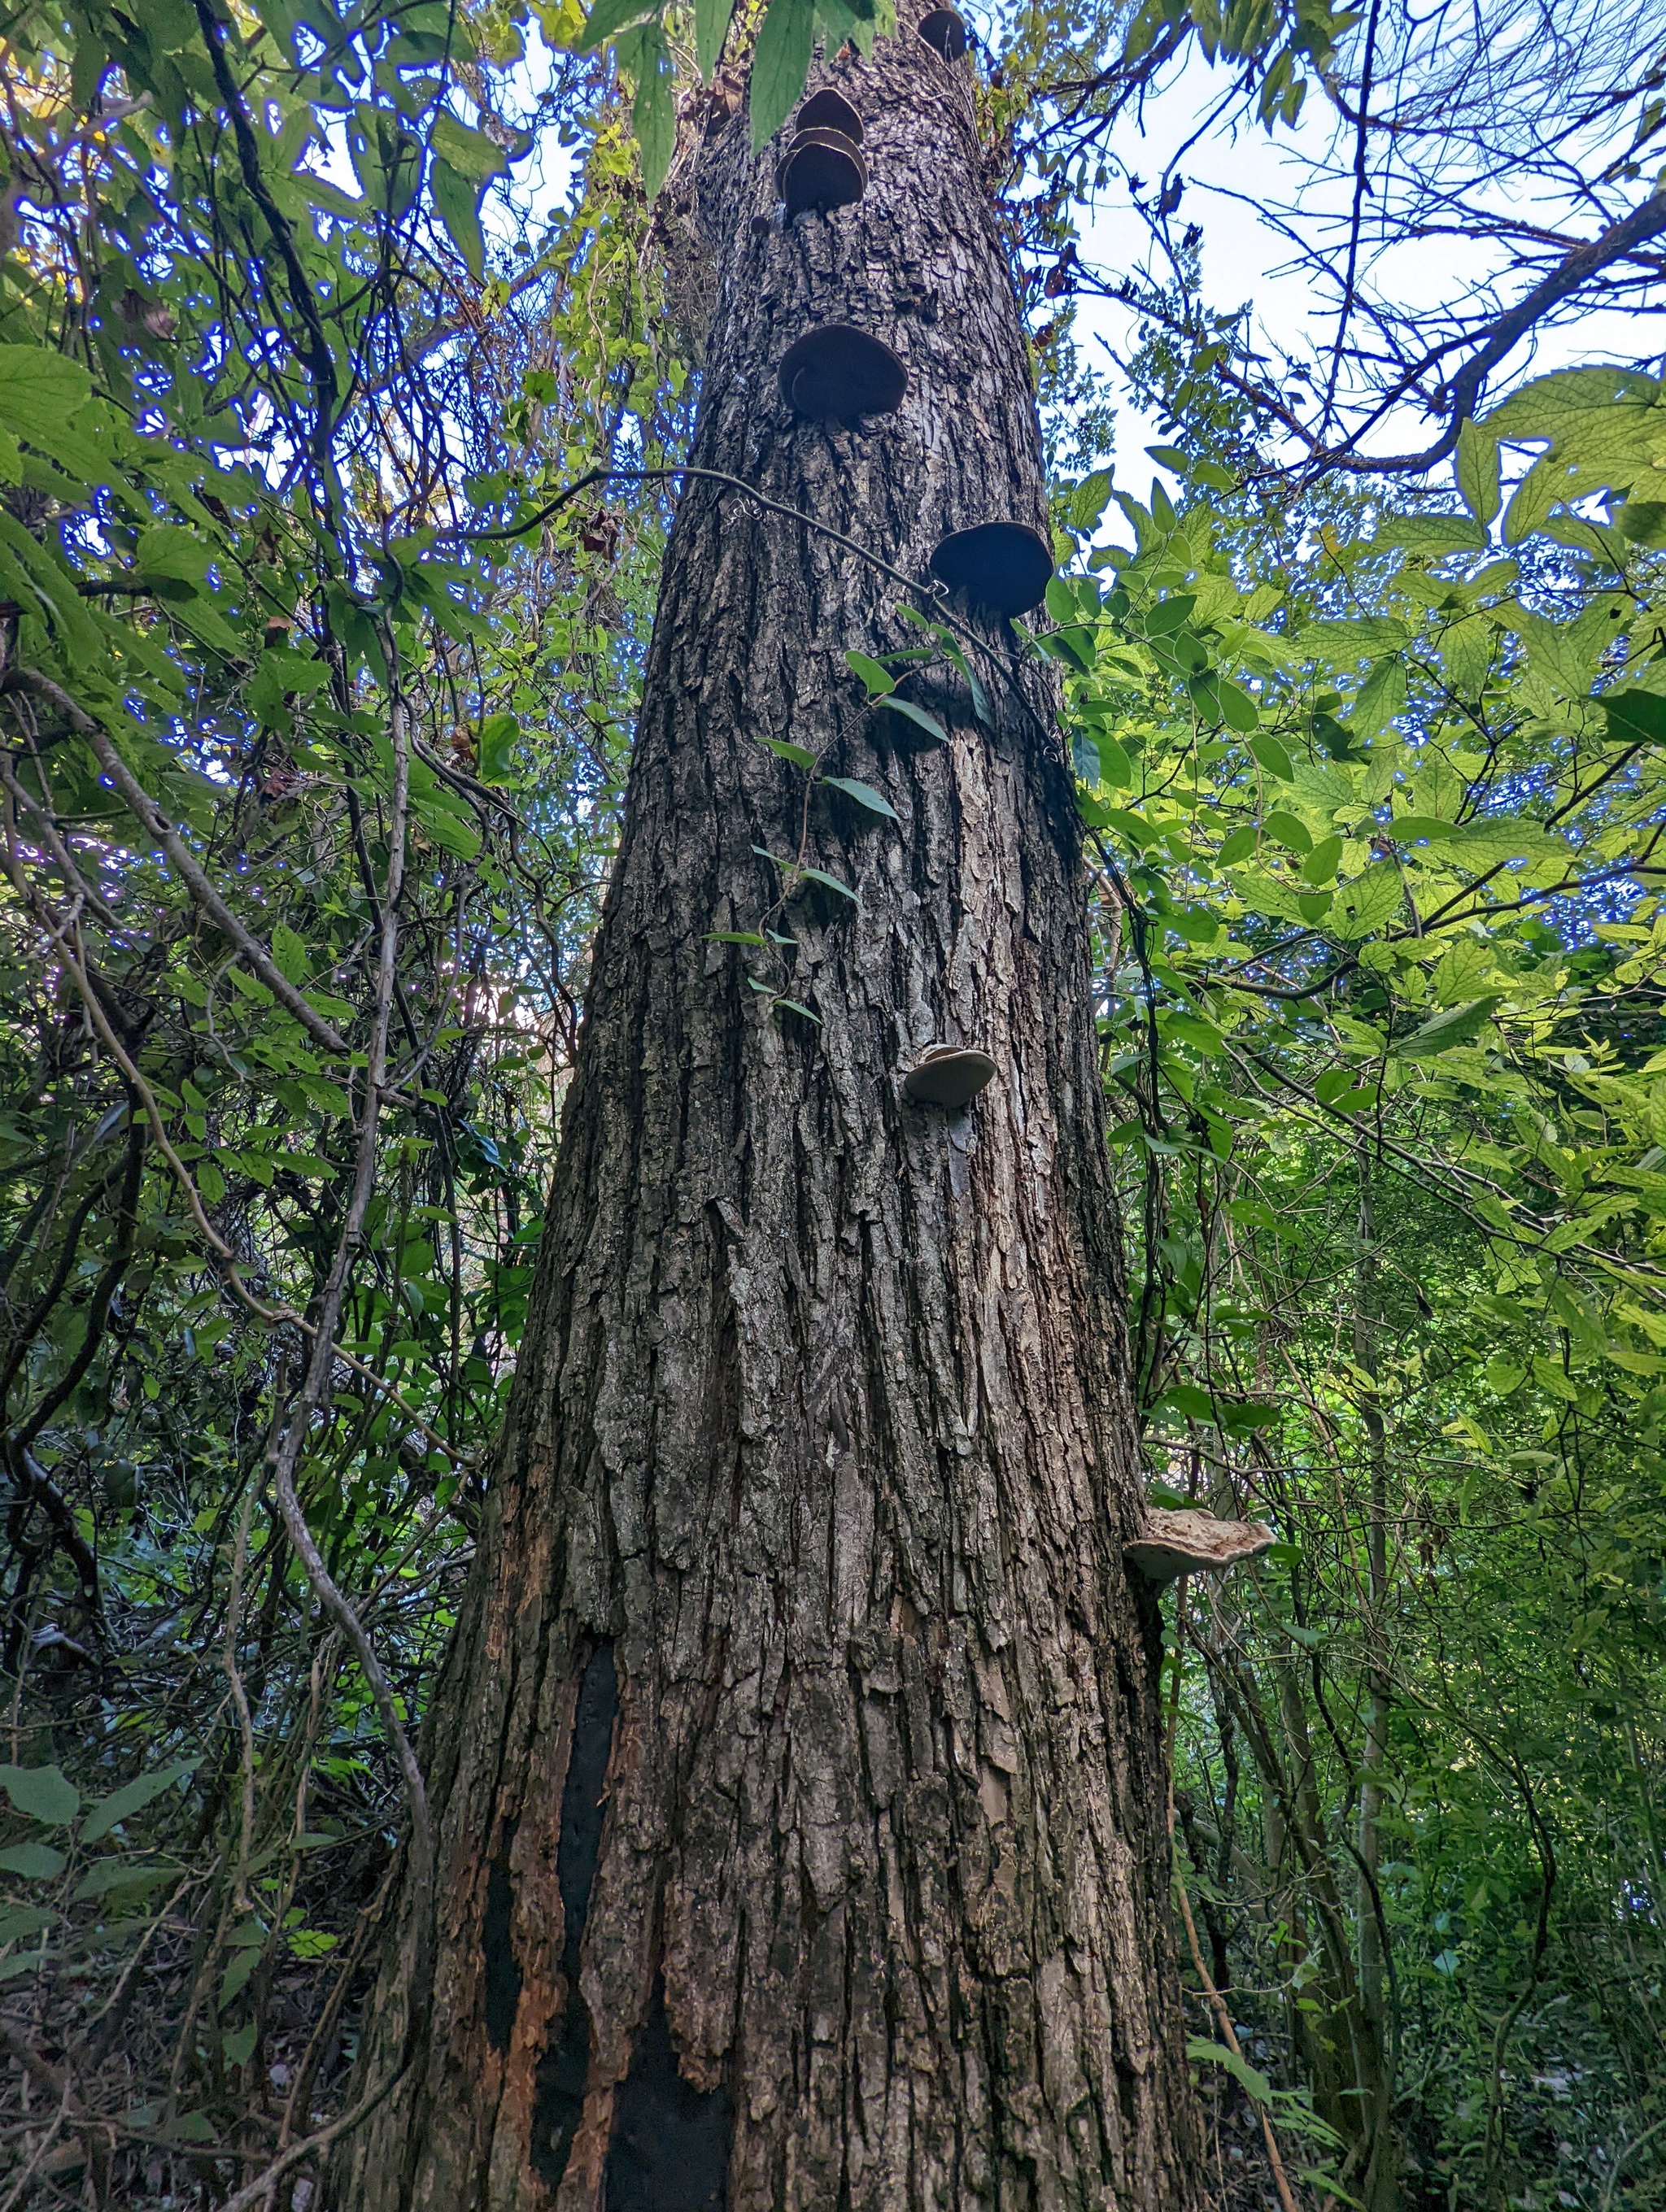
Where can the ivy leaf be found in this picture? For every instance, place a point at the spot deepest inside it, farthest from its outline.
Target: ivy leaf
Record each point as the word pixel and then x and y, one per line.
pixel 864 795
pixel 781 62
pixel 42 1792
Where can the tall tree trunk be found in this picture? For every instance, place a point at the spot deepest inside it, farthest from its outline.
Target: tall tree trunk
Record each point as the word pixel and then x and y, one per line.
pixel 796 1766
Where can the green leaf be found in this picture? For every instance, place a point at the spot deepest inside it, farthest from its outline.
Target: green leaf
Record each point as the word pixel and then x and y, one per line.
pixel 711 28
pixel 471 153
pixel 1088 500
pixel 1476 470
pixel 1431 536
pixel 864 795
pixel 1456 1025
pixel 289 954
pixel 494 744
pixel 734 937
pixel 457 203
pixel 132 1797
pixel 1635 717
pixel 1267 753
pixel 917 715
pixel 878 681
pixel 24 1920
pixel 1320 866
pixel 832 882
pixel 1382 696
pixel 606 20
pixel 1363 906
pixel 1288 830
pixel 781 62
pixel 645 55
pixel 35 1861
pixel 1238 847
pixel 41 1791
pixel 40 392
pixel 784 749
pixel 239 2044
pixel 128 1875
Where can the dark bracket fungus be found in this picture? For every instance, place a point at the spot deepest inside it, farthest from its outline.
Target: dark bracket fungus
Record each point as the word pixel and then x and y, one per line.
pixel 830 111
pixel 822 169
pixel 1003 567
pixel 1189 1542
pixel 946 31
pixel 838 372
pixel 950 1075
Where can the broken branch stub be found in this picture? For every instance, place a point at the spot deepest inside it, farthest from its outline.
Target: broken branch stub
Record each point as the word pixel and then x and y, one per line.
pixel 1189 1542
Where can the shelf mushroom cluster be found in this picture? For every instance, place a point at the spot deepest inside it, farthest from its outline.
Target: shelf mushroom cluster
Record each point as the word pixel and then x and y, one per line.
pixel 838 372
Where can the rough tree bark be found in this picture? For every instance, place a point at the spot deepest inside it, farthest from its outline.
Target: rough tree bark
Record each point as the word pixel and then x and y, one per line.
pixel 796 1767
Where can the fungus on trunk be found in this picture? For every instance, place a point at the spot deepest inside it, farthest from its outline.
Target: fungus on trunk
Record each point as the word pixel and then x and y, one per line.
pixel 1186 1542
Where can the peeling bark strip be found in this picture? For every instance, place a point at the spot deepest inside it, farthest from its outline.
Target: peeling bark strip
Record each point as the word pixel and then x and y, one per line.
pixel 823 1417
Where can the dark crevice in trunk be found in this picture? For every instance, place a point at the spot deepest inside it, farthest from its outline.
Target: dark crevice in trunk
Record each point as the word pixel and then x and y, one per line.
pixel 502 1993
pixel 670 2151
pixel 565 2066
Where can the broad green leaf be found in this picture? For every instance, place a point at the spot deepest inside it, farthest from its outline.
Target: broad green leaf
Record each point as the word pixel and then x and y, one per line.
pixel 781 62
pixel 1430 536
pixel 471 153
pixel 1476 467
pixel 42 1792
pixel 494 748
pixel 1364 906
pixel 1288 830
pixel 1635 717
pixel 456 203
pixel 1267 753
pixel 711 28
pixel 645 55
pixel 607 19
pixel 1381 697
pixel 1455 1025
pixel 289 954
pixel 1353 639
pixel 41 394
pixel 878 681
pixel 919 716
pixel 784 749
pixel 24 1920
pixel 35 1861
pixel 864 795
pixel 113 1876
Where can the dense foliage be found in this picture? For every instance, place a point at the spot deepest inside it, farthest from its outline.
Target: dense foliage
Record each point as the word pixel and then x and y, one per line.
pixel 336 445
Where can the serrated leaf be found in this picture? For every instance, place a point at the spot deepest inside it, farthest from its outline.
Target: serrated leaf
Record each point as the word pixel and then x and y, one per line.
pixel 40 394
pixel 864 795
pixel 781 62
pixel 42 1792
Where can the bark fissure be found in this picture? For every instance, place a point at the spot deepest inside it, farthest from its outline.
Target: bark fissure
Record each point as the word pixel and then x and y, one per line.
pixel 822 1425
